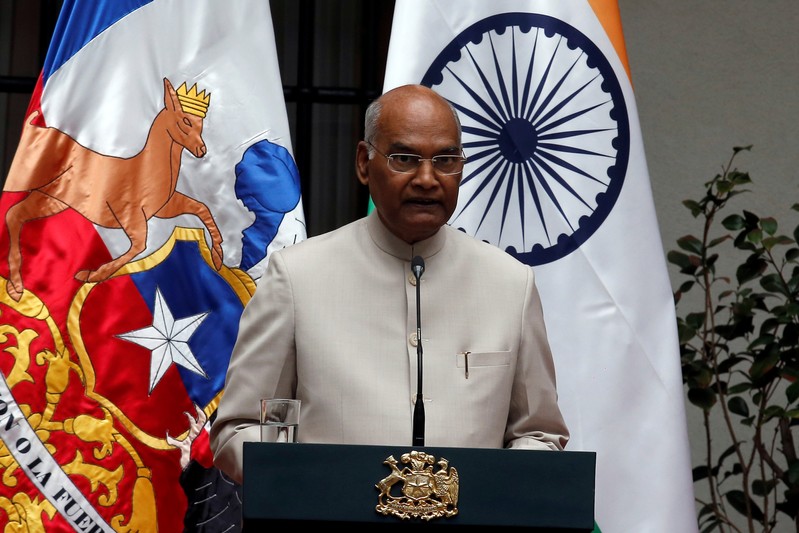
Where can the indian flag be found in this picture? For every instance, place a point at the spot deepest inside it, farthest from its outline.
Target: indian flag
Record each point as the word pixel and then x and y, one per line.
pixel 557 177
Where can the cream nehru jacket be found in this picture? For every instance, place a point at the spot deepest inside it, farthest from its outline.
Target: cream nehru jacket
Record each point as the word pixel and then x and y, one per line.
pixel 333 323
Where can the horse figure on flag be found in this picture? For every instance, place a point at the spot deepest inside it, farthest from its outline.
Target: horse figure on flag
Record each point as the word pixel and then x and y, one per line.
pixel 109 191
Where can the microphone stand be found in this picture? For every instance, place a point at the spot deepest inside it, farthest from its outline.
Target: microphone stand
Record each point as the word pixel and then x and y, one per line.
pixel 418 408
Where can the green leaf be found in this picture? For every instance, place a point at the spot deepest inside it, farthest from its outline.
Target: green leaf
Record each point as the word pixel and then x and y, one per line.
pixel 762 487
pixel 700 472
pixel 742 244
pixel 703 398
pixel 792 392
pixel 793 473
pixel 738 406
pixel 694 206
pixel 769 225
pixel 702 379
pixel 755 236
pixel 685 333
pixel 757 397
pixel 791 373
pixel 773 412
pixel 763 365
pixel 740 328
pixel 739 388
pixel 773 283
pixel 734 222
pixel 737 500
pixel 718 240
pixel 695 320
pixel 712 524
pixel 678 258
pixel 770 242
pixel 726 364
pixel 750 270
pixel 710 261
pixel 764 339
pixel 690 244
pixel 724 187
pixel 752 220
pixel 793 284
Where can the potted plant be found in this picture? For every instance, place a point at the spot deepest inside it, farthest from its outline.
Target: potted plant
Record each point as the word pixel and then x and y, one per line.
pixel 739 345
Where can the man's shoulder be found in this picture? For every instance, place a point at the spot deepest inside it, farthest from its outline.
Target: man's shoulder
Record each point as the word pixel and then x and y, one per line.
pixel 336 238
pixel 320 256
pixel 485 251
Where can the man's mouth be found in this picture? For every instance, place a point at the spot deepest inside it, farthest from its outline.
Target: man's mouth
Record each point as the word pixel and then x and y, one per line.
pixel 422 201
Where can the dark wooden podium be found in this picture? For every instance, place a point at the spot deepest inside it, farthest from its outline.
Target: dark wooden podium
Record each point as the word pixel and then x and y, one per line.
pixel 321 484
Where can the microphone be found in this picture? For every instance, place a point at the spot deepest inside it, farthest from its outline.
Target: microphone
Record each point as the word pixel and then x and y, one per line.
pixel 417 266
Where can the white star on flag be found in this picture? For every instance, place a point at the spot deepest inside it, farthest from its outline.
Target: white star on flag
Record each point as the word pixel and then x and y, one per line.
pixel 168 340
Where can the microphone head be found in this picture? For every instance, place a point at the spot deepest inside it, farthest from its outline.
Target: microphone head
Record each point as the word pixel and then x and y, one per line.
pixel 417 266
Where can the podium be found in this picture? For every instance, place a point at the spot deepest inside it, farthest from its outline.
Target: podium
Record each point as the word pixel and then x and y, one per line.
pixel 338 484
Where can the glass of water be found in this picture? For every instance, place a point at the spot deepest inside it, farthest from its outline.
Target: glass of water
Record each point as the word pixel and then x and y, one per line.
pixel 280 419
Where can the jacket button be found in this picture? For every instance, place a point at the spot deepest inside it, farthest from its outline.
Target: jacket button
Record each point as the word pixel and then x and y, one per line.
pixel 412 279
pixel 413 339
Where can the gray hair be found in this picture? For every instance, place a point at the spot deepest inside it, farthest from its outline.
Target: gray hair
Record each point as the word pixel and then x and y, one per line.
pixel 372 117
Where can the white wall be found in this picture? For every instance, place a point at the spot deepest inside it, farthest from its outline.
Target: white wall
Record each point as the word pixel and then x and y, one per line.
pixel 710 75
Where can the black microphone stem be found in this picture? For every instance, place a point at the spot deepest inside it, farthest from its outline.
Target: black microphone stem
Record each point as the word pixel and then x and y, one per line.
pixel 418 408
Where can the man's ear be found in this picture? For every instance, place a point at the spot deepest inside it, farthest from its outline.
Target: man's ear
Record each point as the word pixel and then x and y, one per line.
pixel 362 162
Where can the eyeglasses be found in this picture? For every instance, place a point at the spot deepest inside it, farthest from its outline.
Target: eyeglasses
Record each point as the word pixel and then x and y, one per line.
pixel 409 163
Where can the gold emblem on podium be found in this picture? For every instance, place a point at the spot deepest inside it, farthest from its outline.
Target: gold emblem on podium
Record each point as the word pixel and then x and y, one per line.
pixel 425 493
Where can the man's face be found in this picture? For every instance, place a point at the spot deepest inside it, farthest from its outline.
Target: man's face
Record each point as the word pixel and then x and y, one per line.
pixel 412 206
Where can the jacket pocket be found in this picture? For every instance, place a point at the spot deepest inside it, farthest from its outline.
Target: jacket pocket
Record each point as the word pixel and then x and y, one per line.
pixel 478 359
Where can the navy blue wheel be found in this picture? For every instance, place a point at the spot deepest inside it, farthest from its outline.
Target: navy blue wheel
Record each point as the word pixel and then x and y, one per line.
pixel 545 131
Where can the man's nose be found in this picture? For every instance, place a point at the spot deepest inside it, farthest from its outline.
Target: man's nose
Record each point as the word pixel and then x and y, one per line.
pixel 425 173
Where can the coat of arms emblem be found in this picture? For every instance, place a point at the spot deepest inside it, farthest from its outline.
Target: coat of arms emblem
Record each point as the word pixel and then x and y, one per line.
pixel 425 493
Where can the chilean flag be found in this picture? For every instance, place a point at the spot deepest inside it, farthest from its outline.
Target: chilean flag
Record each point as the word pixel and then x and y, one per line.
pixel 153 178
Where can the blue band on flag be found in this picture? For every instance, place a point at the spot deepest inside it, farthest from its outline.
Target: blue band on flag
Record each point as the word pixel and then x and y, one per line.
pixel 79 23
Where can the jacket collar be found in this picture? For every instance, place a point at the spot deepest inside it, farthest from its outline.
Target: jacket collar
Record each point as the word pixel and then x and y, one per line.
pixel 393 245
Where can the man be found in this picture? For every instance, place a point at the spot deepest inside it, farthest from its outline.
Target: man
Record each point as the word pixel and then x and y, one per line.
pixel 333 321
